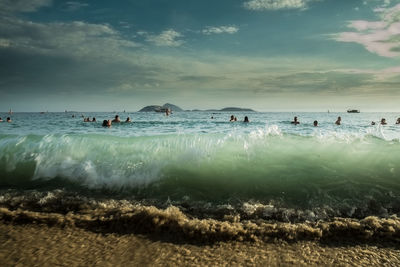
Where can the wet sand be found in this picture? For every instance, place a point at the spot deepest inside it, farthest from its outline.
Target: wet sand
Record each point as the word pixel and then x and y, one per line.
pixel 76 231
pixel 43 245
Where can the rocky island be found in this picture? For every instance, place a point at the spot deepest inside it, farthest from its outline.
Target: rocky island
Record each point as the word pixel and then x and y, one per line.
pixel 163 108
pixel 174 108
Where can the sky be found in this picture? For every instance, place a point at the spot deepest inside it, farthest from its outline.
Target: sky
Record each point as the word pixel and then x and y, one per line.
pixel 269 55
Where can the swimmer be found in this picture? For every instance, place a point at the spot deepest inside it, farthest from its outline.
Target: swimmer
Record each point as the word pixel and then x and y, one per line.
pixel 246 119
pixel 8 119
pixel 116 119
pixel 295 121
pixel 235 119
pixel 86 120
pixel 1 120
pixel 373 123
pixel 383 121
pixel 107 123
pixel 94 119
pixel 397 122
pixel 232 118
pixel 339 119
pixel 315 123
pixel 212 117
pixel 128 119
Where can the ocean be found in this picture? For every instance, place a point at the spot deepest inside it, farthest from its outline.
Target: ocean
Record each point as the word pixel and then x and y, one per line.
pixel 190 165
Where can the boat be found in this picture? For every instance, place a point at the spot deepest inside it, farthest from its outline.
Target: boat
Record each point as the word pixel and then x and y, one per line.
pixel 353 111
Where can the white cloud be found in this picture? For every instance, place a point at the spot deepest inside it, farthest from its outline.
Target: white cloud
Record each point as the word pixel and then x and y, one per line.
pixel 22 5
pixel 276 4
pixel 73 5
pixel 220 29
pixel 380 37
pixel 166 38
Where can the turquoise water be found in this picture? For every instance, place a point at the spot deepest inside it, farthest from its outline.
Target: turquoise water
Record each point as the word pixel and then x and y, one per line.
pixel 190 157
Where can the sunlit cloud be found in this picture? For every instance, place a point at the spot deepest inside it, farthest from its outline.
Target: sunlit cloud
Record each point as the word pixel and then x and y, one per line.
pixel 380 37
pixel 169 37
pixel 220 29
pixel 276 4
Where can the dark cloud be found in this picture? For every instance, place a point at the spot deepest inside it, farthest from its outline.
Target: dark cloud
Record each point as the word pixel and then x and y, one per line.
pixel 200 78
pixel 14 6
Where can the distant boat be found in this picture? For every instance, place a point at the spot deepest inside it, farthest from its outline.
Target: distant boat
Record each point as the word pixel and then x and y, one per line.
pixel 10 112
pixel 353 111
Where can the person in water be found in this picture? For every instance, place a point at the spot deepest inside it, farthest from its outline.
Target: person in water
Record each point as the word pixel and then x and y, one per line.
pixel 107 123
pixel 295 121
pixel 232 118
pixel 383 121
pixel 1 120
pixel 128 119
pixel 397 122
pixel 86 120
pixel 8 119
pixel 116 119
pixel 235 119
pixel 338 121
pixel 373 123
pixel 94 119
pixel 315 123
pixel 246 119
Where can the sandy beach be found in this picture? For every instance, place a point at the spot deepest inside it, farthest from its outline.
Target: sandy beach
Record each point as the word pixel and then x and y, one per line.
pixel 149 236
pixel 39 245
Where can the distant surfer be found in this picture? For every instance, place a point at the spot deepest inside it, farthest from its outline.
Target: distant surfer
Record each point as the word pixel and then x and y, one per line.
pixel 383 121
pixel 295 121
pixel 246 119
pixel 338 121
pixel 116 119
pixel 315 123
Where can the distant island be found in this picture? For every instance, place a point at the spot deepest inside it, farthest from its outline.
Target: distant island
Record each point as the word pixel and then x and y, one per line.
pixel 163 108
pixel 174 108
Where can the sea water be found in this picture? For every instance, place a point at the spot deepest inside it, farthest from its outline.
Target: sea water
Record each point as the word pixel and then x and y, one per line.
pixel 192 160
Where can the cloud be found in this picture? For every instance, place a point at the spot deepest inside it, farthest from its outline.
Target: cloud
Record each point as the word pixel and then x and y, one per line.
pixel 73 38
pixel 73 5
pixel 380 37
pixel 220 29
pixel 166 38
pixel 260 5
pixel 13 6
